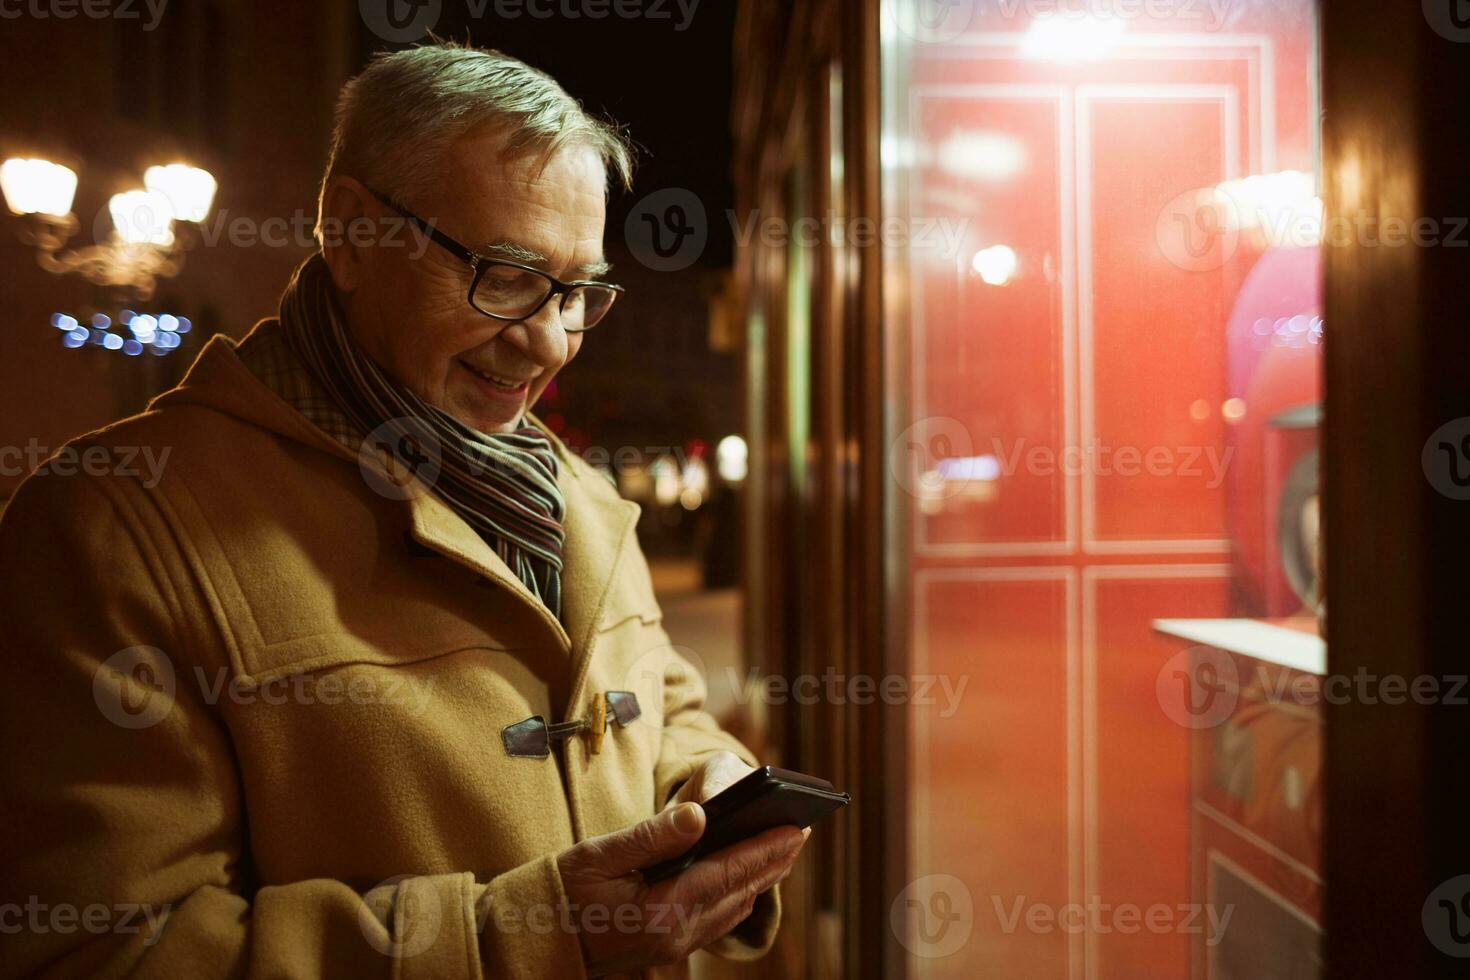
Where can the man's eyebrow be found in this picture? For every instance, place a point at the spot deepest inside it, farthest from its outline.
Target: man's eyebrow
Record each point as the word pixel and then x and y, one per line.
pixel 513 252
pixel 516 252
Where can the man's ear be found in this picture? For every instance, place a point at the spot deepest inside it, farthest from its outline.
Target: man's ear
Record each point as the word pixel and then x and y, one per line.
pixel 349 231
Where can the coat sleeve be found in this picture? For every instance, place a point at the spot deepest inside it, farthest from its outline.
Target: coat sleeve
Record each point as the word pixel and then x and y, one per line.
pixel 690 736
pixel 125 839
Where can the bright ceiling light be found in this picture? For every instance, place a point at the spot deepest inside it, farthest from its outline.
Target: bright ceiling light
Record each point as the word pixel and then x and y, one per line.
pixel 1070 37
pixel 142 217
pixel 996 264
pixel 34 186
pixel 190 189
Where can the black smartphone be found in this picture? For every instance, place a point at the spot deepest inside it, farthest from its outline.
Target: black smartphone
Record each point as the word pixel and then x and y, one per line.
pixel 766 798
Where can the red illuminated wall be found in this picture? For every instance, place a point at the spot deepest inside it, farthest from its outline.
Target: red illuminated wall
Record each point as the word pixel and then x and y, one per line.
pixel 1039 582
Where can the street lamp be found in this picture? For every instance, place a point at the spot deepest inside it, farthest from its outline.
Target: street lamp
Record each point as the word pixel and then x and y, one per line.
pixel 152 226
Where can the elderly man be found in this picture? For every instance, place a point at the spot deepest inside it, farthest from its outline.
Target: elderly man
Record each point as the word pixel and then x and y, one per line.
pixel 372 682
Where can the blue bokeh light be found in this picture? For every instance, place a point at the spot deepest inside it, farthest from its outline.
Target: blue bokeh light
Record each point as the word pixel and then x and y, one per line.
pixel 157 333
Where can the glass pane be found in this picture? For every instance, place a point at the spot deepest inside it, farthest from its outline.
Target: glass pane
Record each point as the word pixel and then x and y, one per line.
pixel 1105 325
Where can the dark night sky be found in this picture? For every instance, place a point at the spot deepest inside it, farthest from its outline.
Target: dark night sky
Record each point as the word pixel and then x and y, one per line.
pixel 670 87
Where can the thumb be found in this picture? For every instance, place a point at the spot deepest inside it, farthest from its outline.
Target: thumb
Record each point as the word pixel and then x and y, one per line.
pixel 659 838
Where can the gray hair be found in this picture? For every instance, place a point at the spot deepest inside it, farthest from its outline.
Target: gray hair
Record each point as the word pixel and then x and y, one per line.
pixel 396 120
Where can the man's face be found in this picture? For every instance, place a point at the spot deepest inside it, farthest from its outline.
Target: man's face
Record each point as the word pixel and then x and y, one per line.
pixel 411 314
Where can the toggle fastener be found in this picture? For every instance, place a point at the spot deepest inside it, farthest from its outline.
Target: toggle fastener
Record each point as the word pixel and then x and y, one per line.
pixel 533 737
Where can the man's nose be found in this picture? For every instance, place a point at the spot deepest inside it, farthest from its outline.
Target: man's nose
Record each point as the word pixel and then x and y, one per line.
pixel 540 337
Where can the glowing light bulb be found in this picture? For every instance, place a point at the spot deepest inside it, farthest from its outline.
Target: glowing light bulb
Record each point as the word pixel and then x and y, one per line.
pixel 731 458
pixel 143 217
pixel 189 189
pixel 34 186
pixel 996 264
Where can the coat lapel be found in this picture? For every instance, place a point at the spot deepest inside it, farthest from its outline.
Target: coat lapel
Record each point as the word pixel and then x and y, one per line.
pixel 599 525
pixel 435 525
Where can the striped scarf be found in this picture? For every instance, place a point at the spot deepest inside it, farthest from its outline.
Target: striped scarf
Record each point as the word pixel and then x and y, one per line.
pixel 503 485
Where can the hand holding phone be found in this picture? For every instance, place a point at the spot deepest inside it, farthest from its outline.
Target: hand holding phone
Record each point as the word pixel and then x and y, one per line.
pixel 765 798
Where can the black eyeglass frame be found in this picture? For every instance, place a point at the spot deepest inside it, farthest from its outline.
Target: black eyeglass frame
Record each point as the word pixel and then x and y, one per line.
pixel 480 264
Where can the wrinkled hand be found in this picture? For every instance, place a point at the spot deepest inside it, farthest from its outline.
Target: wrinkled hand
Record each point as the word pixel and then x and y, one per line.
pixel 719 770
pixel 662 923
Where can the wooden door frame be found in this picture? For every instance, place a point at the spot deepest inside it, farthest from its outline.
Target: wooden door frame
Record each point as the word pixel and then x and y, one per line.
pixel 782 120
pixel 877 594
pixel 1395 134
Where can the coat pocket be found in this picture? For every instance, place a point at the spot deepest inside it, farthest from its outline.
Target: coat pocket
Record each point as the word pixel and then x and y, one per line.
pixel 324 651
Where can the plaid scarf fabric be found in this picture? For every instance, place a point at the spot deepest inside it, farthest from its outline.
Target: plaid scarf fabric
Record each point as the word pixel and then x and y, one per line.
pixel 502 485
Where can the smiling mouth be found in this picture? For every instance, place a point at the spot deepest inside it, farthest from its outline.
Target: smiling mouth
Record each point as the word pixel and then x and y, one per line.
pixel 509 385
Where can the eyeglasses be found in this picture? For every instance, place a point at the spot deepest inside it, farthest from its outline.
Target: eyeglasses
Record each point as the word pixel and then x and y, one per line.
pixel 505 290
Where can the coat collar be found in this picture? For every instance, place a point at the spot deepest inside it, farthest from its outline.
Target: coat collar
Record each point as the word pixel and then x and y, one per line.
pixel 598 523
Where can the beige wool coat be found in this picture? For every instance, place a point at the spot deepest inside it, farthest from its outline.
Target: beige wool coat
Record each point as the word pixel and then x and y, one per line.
pixel 252 713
